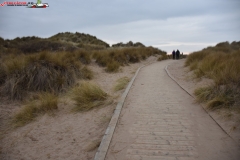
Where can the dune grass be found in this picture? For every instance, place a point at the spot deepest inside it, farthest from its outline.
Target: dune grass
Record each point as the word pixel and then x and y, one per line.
pixel 41 103
pixel 86 73
pixel 44 71
pixel 87 96
pixel 163 57
pixel 220 63
pixel 33 64
pixel 121 83
pixel 112 59
pixel 112 66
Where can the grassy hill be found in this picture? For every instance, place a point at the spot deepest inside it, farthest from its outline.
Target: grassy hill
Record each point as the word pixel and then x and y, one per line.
pixel 129 44
pixel 60 42
pixel 79 39
pixel 220 63
pixel 34 64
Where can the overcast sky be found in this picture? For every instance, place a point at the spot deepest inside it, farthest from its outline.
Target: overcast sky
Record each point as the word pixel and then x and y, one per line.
pixel 187 25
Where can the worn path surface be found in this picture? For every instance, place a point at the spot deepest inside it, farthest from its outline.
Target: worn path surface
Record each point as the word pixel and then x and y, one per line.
pixel 160 121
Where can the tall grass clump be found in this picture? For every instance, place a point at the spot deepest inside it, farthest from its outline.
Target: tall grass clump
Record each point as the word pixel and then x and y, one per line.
pixel 217 97
pixel 112 66
pixel 221 64
pixel 86 73
pixel 44 71
pixel 121 83
pixel 87 96
pixel 163 57
pixel 41 103
pixel 113 58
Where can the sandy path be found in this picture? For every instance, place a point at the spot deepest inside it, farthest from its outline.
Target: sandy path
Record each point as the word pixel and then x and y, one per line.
pixel 161 121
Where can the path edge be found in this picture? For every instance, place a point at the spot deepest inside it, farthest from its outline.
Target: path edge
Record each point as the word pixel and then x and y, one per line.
pixel 106 140
pixel 170 75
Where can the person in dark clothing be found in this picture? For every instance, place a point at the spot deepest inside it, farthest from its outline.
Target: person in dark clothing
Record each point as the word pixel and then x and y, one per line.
pixel 173 54
pixel 177 54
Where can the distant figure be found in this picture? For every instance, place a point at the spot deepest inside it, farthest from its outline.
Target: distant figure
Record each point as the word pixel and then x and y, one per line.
pixel 177 54
pixel 173 54
pixel 182 55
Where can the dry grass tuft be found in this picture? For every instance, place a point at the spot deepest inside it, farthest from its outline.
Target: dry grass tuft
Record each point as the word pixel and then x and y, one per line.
pixel 44 71
pixel 220 63
pixel 86 73
pixel 41 103
pixel 121 83
pixel 87 96
pixel 112 66
pixel 93 145
pixel 125 55
pixel 163 57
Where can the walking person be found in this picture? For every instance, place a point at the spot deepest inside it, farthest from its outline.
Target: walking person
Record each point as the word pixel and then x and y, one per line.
pixel 177 54
pixel 173 54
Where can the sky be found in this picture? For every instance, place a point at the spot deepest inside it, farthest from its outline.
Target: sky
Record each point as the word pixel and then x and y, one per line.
pixel 187 25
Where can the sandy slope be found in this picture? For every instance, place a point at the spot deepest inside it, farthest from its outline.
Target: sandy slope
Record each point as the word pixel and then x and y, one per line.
pixel 63 135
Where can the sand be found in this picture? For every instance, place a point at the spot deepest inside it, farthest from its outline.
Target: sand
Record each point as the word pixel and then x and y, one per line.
pixel 63 134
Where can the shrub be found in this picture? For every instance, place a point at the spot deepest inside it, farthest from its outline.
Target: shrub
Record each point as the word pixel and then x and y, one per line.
pixel 41 103
pixel 87 96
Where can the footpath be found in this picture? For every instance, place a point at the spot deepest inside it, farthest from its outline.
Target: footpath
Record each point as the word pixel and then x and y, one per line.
pixel 160 121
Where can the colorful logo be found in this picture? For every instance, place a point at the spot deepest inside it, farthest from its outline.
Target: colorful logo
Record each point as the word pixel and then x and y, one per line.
pixel 39 4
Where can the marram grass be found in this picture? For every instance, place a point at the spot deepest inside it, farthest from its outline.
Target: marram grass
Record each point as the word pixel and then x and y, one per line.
pixel 41 103
pixel 87 96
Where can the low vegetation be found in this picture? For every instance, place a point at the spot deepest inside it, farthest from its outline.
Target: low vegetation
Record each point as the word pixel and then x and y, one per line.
pixel 163 57
pixel 79 38
pixel 112 66
pixel 45 71
pixel 129 44
pixel 87 95
pixel 47 67
pixel 40 103
pixel 220 63
pixel 114 58
pixel 121 83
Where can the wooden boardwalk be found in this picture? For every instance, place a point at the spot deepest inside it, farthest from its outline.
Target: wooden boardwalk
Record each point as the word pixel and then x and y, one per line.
pixel 160 121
